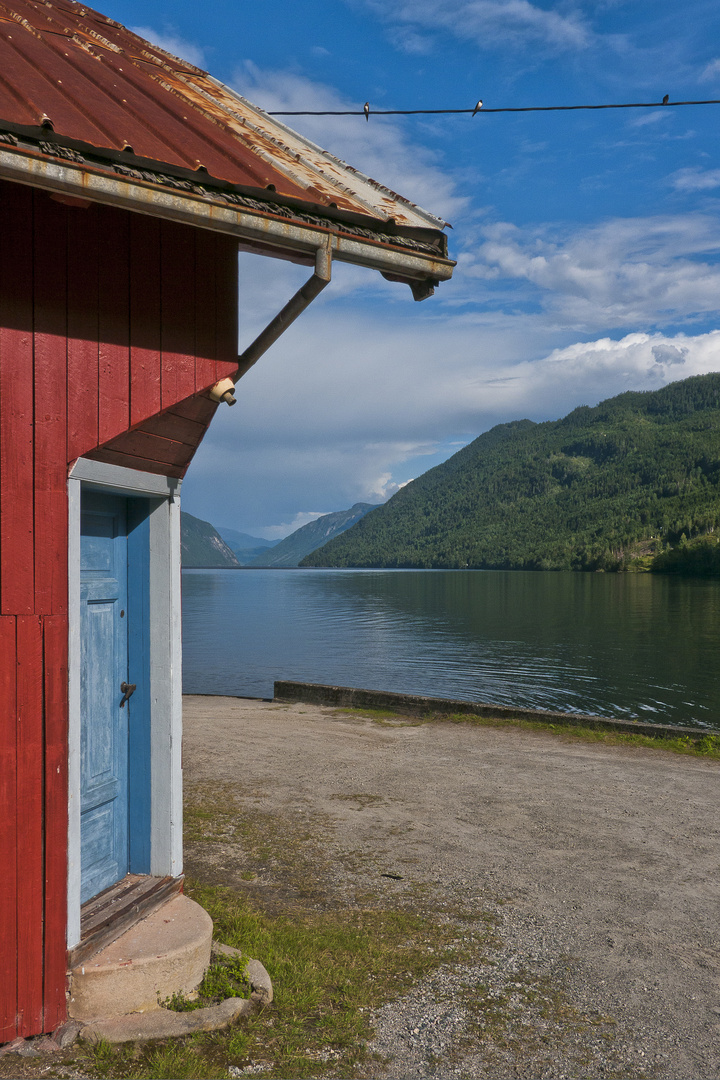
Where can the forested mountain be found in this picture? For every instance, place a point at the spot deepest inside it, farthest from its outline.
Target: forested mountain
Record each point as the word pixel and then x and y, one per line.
pixel 306 539
pixel 605 488
pixel 202 546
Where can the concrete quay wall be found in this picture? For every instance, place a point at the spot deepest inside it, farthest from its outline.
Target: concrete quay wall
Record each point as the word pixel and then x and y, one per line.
pixel 415 705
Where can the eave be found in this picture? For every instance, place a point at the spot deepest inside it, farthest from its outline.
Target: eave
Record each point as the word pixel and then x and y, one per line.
pixel 265 228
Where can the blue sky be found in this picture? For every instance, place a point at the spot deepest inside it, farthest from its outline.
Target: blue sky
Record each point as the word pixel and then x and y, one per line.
pixel 587 243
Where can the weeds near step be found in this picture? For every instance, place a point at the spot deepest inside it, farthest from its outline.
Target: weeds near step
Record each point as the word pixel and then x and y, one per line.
pixel 225 978
pixel 328 969
pixel 331 962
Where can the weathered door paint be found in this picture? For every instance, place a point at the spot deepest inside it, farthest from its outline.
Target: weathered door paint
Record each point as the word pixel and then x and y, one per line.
pixel 104 666
pixel 139 771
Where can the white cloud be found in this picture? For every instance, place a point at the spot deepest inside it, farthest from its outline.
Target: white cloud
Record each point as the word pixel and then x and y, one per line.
pixel 623 271
pixel 644 118
pixel 408 40
pixel 695 179
pixel 340 402
pixel 489 23
pixel 349 395
pixel 588 372
pixel 337 408
pixel 384 486
pixel 171 42
pixel 711 71
pixel 381 149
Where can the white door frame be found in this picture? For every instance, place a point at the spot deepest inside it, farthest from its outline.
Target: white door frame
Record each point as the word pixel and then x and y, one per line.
pixel 165 667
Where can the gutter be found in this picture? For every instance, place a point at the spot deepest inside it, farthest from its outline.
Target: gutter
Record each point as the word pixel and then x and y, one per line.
pixel 417 268
pixel 265 232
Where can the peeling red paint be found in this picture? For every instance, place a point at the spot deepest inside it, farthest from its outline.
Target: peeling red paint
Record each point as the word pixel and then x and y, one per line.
pixel 87 78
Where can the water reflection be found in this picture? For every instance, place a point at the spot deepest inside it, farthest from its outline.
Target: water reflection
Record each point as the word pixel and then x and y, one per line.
pixel 622 645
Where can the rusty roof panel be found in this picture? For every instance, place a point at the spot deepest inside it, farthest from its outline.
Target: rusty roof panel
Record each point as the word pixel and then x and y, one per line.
pixel 89 79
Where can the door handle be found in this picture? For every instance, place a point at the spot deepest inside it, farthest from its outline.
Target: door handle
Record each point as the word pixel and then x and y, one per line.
pixel 128 689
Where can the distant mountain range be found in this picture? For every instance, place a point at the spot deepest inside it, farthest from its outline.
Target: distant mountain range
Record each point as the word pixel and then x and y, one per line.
pixel 631 482
pixel 303 541
pixel 245 547
pixel 204 546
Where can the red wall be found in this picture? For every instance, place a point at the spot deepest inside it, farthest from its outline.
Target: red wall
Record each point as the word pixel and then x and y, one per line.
pixel 106 318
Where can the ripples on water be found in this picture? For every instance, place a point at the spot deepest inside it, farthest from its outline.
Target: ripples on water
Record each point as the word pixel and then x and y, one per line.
pixel 630 645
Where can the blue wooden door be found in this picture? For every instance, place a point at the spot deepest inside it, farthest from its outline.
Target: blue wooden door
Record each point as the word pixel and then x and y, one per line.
pixel 104 666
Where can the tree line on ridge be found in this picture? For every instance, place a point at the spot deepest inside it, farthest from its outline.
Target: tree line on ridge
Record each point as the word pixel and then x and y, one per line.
pixel 633 483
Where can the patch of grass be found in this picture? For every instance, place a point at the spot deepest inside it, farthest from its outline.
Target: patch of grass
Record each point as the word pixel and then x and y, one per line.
pixel 385 717
pixel 279 858
pixel 328 971
pixel 327 968
pixel 179 1059
pixel 225 978
pixel 706 745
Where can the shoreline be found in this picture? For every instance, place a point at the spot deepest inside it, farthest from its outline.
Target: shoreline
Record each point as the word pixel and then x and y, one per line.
pixel 418 705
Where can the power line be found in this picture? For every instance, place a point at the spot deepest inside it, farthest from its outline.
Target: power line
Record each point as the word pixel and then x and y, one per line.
pixel 479 108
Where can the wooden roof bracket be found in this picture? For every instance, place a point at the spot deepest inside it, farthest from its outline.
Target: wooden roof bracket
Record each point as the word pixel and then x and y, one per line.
pixel 223 390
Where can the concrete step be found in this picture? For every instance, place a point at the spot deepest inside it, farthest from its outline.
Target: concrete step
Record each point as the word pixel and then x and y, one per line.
pixel 166 953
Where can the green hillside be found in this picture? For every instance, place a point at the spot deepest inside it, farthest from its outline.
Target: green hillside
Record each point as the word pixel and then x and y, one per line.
pixel 604 488
pixel 202 546
pixel 306 539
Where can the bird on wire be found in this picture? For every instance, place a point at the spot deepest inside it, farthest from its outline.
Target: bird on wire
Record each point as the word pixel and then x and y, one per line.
pixel 479 105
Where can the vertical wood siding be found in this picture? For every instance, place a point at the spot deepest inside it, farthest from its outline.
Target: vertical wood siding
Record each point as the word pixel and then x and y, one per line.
pixel 8 825
pixel 114 327
pixel 55 642
pixel 106 318
pixel 50 394
pixel 83 334
pixel 17 569
pixel 145 335
pixel 29 831
pixel 178 309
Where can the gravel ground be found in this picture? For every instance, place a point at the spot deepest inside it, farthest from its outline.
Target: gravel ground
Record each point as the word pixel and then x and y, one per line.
pixel 598 863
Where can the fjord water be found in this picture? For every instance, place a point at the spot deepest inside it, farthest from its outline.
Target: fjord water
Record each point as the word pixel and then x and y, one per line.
pixel 637 646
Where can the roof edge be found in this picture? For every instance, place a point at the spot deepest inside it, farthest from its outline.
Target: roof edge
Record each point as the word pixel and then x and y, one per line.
pixel 432 220
pixel 45 141
pixel 273 232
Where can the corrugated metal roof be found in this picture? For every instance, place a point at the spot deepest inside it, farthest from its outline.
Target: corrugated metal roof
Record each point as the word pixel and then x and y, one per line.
pixel 89 79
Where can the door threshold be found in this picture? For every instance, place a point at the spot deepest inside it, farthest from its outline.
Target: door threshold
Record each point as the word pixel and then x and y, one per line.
pixel 106 916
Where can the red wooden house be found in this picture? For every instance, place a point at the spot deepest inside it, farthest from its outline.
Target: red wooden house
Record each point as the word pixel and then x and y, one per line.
pixel 128 181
